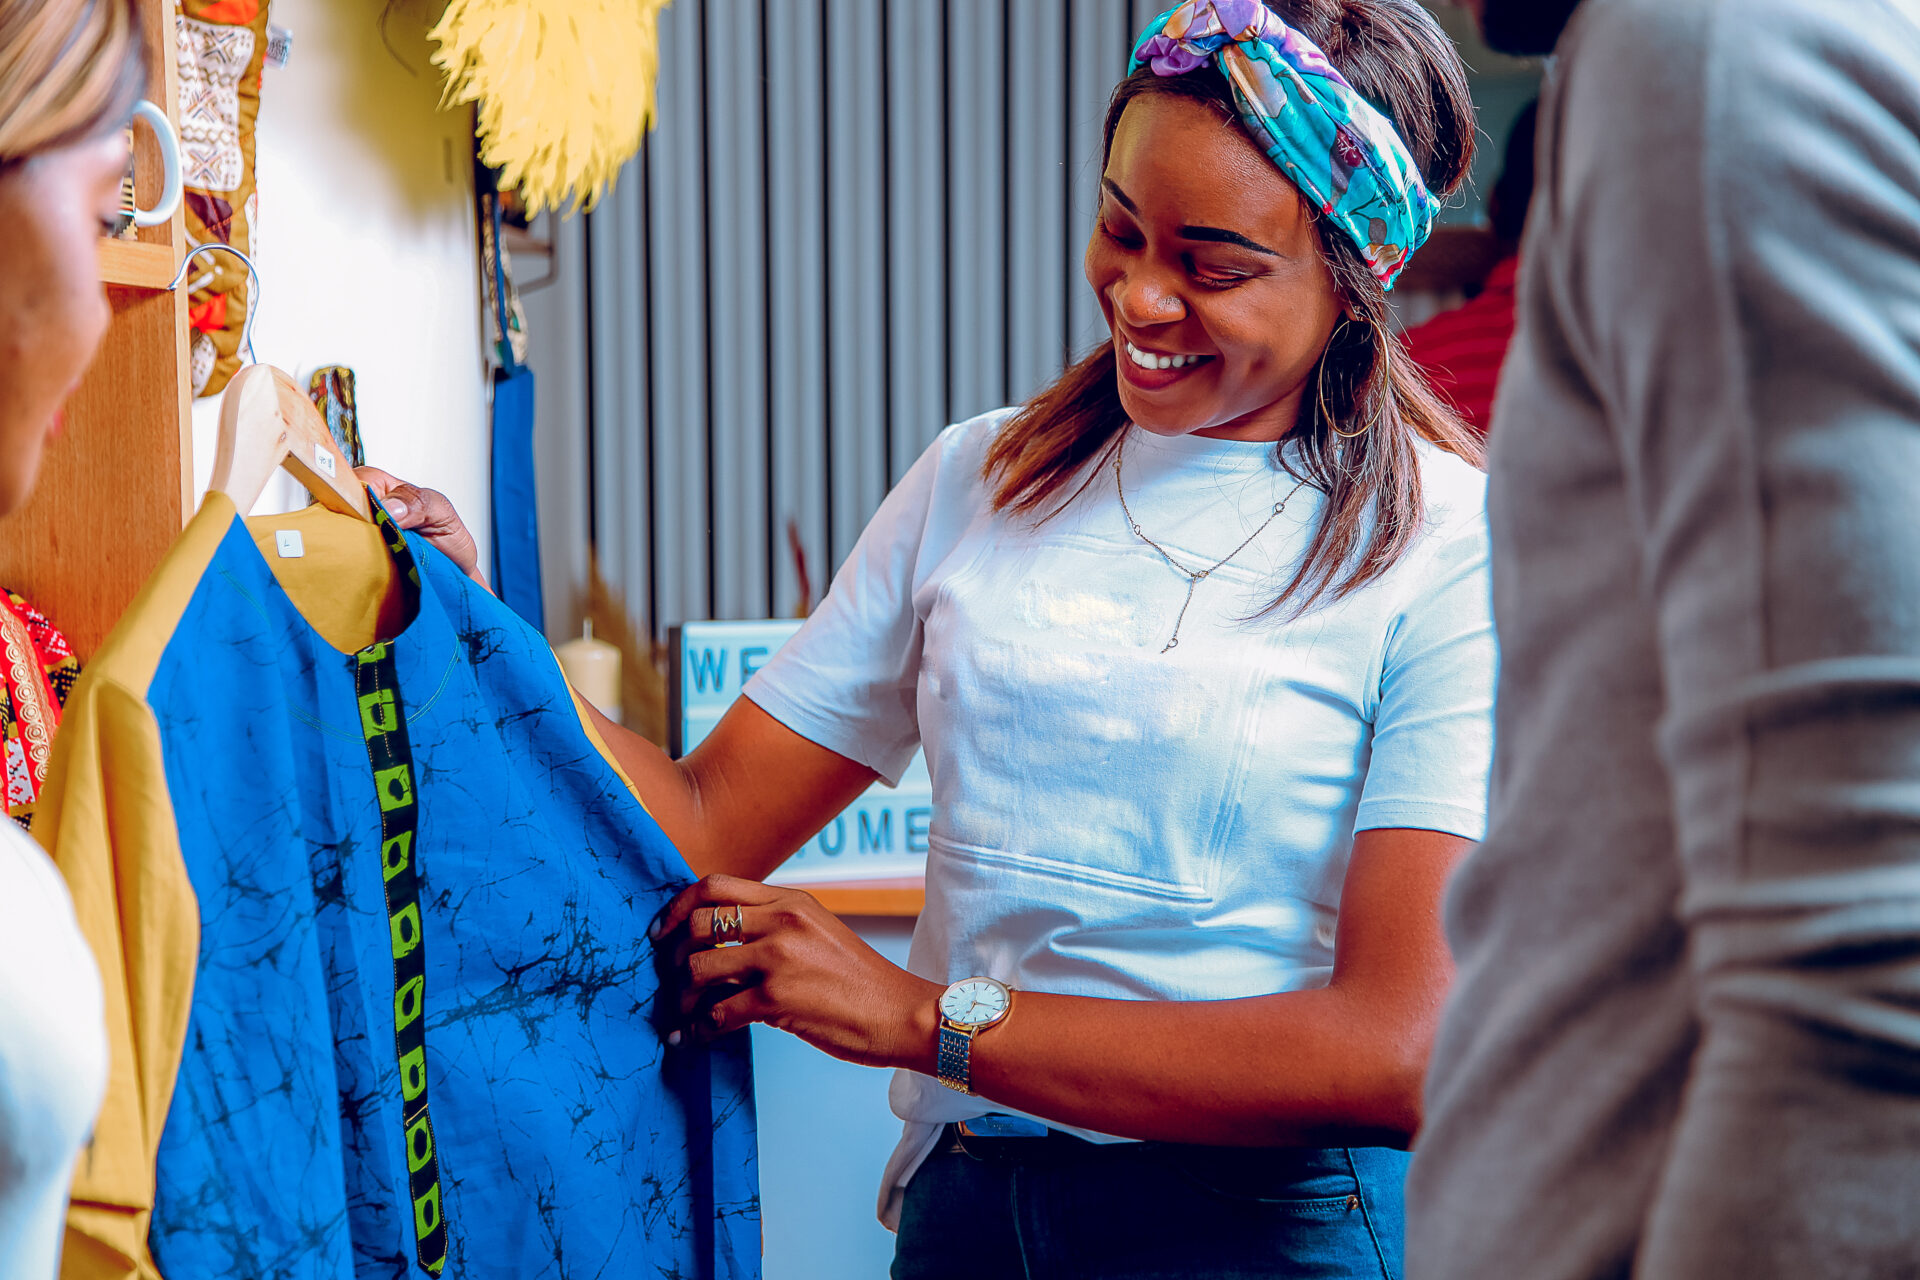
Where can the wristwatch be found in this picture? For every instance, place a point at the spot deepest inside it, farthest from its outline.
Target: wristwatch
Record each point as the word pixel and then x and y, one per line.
pixel 967 1008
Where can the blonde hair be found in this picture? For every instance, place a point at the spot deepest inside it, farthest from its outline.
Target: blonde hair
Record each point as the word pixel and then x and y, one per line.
pixel 69 69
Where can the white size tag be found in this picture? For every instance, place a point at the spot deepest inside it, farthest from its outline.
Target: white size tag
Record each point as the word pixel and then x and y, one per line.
pixel 323 459
pixel 279 45
pixel 289 543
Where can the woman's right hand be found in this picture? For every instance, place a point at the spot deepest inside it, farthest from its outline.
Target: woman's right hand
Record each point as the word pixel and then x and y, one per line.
pixel 427 513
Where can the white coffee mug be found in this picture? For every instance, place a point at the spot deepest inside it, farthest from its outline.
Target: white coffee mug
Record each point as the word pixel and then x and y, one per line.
pixel 169 165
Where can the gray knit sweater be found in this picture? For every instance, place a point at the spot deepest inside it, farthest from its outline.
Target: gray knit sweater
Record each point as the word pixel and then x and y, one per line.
pixel 1685 1039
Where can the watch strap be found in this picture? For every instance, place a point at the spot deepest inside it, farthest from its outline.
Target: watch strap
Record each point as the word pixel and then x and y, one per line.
pixel 955 1064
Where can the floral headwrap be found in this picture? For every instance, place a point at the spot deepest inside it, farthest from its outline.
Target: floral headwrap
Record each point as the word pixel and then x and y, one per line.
pixel 1327 139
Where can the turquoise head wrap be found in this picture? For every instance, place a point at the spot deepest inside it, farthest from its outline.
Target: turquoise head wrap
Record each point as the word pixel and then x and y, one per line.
pixel 1329 141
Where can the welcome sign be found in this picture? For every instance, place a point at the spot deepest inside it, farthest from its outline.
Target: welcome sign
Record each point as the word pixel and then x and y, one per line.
pixel 881 835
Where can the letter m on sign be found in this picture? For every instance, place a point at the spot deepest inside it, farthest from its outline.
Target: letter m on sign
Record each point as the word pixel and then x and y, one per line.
pixel 876 837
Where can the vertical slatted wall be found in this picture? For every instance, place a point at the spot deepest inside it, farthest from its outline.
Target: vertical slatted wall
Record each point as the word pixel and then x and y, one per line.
pixel 856 221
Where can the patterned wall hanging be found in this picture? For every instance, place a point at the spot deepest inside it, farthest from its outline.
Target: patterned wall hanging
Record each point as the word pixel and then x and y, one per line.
pixel 331 390
pixel 222 48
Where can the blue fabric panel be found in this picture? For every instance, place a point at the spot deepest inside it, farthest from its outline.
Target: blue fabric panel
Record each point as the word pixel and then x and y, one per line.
pixel 570 1143
pixel 516 517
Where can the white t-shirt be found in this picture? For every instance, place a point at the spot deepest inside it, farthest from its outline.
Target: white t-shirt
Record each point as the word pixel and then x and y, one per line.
pixel 53 1055
pixel 1111 820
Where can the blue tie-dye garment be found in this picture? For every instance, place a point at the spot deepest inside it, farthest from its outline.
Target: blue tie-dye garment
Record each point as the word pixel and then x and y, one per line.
pixel 570 1144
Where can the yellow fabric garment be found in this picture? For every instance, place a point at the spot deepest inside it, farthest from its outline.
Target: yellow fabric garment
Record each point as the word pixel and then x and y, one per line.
pixel 108 822
pixel 343 582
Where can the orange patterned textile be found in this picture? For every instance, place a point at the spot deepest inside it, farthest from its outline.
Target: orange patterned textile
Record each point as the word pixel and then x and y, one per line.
pixel 37 669
pixel 222 49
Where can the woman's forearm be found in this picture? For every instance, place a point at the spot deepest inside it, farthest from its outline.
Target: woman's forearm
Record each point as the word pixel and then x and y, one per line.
pixel 1337 1065
pixel 1316 1066
pixel 1322 1067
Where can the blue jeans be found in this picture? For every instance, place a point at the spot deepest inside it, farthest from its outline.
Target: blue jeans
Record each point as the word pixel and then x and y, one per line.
pixel 1155 1211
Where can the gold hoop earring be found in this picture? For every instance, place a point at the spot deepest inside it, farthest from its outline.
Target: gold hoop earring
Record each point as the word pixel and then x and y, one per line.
pixel 1320 385
pixel 1386 354
pixel 1320 380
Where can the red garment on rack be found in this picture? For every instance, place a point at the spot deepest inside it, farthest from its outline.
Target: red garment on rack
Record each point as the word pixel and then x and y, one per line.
pixel 37 670
pixel 1463 350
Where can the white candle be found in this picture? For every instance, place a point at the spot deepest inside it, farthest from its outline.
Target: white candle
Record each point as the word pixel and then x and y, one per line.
pixel 593 669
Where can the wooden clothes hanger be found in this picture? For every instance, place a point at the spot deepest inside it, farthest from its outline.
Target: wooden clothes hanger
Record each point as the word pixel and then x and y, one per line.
pixel 266 423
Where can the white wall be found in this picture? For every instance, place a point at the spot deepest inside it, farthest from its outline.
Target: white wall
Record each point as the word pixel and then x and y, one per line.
pixel 365 246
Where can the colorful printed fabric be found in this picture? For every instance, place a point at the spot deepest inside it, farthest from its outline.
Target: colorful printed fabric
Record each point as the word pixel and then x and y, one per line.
pixel 221 49
pixel 383 719
pixel 331 390
pixel 55 654
pixel 37 668
pixel 1329 141
pixel 238 820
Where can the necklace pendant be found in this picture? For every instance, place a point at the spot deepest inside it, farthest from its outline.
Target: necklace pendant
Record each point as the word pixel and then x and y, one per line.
pixel 1193 576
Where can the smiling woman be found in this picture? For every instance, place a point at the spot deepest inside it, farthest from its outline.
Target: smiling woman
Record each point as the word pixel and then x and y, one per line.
pixel 1197 643
pixel 1169 1005
pixel 1208 252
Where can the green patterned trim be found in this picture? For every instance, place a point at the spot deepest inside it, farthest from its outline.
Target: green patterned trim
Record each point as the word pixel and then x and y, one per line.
pixel 383 721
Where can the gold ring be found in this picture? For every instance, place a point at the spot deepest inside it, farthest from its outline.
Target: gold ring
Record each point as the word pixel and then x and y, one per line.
pixel 728 930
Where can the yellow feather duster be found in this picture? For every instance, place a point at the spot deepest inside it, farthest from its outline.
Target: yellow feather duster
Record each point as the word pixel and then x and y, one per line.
pixel 565 88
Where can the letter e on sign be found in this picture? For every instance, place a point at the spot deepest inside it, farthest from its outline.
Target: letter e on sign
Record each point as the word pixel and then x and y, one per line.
pixel 919 823
pixel 751 660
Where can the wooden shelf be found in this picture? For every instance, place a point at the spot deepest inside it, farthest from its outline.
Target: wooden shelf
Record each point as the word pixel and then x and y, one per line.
pixel 903 897
pixel 115 488
pixel 136 264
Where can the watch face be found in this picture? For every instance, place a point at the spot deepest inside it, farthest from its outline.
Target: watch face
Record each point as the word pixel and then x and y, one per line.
pixel 975 1002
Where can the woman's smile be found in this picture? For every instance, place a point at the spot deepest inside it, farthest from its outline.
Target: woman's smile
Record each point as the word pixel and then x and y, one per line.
pixel 1151 370
pixel 1210 275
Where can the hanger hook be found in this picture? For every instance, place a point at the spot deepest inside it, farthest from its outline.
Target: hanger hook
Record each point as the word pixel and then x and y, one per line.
pixel 253 294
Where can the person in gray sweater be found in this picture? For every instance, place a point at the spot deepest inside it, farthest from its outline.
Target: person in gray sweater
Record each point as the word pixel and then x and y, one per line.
pixel 1684 1041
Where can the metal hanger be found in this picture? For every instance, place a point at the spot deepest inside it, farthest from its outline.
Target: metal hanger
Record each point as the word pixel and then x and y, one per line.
pixel 253 293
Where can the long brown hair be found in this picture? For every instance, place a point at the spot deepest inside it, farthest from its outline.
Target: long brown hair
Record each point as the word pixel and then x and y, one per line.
pixel 1357 434
pixel 69 69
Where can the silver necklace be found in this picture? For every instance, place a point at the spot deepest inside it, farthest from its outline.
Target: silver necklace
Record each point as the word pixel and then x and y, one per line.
pixel 1193 576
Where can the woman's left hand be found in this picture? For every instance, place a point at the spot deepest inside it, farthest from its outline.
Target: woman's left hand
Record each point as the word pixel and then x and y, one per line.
pixel 797 968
